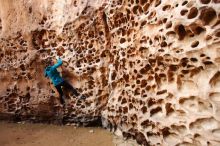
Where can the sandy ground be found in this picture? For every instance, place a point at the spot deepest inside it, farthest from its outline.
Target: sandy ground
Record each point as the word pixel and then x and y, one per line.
pixel 13 134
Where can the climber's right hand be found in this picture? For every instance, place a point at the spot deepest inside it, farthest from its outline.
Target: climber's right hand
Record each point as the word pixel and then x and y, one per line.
pixel 57 57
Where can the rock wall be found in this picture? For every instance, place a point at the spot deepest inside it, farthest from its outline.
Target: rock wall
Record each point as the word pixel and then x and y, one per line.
pixel 149 68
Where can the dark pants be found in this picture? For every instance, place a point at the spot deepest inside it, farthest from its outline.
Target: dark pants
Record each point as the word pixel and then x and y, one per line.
pixel 66 85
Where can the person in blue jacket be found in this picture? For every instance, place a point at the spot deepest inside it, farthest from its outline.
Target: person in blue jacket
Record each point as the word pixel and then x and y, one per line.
pixel 51 72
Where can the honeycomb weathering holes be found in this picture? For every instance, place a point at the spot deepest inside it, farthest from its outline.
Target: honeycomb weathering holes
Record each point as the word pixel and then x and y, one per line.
pixel 150 67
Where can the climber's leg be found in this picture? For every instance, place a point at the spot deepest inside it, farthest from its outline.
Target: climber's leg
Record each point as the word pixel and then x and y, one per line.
pixel 60 91
pixel 70 87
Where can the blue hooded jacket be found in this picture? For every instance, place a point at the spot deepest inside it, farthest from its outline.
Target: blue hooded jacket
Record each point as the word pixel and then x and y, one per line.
pixel 53 74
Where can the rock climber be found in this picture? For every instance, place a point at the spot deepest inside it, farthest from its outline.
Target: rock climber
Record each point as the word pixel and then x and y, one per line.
pixel 51 72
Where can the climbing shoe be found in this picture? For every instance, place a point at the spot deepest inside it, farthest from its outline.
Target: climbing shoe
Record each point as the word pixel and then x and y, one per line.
pixel 82 97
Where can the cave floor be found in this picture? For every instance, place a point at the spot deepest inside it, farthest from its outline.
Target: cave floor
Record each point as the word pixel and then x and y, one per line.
pixel 26 134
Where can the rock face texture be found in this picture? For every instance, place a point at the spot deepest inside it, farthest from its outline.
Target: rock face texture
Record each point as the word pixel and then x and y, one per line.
pixel 150 68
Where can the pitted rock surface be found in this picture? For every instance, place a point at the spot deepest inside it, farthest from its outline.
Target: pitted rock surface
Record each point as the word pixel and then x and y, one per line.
pixel 150 68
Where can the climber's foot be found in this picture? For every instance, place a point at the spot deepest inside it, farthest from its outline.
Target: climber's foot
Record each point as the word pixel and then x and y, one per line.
pixel 82 97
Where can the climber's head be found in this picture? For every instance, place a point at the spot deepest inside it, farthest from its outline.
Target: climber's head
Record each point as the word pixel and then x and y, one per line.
pixel 48 62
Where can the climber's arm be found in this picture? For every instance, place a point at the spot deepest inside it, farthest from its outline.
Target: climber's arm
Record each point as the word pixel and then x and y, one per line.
pixel 58 64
